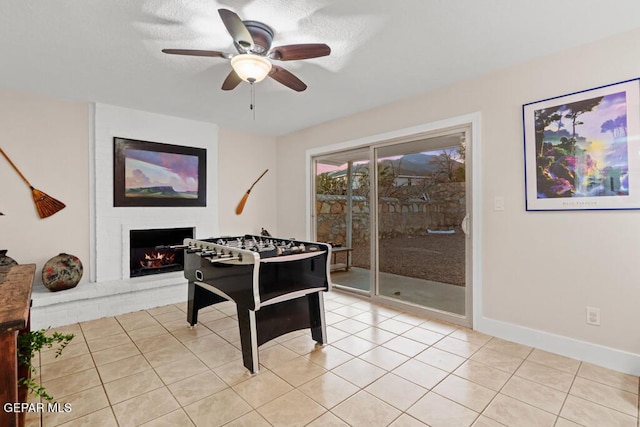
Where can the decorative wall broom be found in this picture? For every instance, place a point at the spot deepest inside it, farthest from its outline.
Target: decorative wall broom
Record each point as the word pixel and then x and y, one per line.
pixel 240 206
pixel 45 204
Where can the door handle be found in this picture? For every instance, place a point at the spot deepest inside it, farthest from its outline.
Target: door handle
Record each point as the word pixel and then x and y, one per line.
pixel 465 225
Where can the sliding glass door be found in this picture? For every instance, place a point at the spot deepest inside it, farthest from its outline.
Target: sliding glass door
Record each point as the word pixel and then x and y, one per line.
pixel 396 213
pixel 421 196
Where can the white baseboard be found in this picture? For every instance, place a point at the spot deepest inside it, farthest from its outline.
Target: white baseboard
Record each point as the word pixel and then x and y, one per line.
pixel 607 357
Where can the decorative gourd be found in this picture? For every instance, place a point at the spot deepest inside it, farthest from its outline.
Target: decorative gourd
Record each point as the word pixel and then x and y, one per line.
pixel 62 272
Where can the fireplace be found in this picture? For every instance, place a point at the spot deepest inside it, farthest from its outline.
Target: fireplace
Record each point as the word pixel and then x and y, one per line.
pixel 149 252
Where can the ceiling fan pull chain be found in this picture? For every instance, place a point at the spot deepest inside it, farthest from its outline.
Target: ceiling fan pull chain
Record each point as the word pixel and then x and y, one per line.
pixel 252 106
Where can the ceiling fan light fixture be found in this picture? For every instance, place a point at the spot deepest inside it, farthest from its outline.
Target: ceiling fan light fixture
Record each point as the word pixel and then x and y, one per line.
pixel 251 68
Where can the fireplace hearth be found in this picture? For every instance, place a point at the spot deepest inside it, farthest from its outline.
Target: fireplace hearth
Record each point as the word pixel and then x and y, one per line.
pixel 149 251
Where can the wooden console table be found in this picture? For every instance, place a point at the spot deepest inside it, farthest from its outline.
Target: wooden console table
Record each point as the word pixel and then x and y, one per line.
pixel 339 266
pixel 15 298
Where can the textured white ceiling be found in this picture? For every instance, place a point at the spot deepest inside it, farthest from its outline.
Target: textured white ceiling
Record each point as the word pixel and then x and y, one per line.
pixel 109 51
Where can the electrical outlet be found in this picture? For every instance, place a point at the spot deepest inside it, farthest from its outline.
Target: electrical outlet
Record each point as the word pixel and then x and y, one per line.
pixel 593 316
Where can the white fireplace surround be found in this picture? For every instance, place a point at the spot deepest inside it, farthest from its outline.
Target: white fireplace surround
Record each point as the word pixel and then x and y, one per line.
pixel 109 290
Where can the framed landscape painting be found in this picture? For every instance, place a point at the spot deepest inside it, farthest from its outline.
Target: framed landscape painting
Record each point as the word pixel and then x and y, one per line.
pixel 582 150
pixel 154 174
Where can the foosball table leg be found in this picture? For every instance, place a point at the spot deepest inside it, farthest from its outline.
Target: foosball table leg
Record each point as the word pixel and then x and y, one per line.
pixel 249 339
pixel 192 311
pixel 316 318
pixel 199 298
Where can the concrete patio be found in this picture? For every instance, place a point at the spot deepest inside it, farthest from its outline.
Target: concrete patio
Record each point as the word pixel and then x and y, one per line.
pixel 441 296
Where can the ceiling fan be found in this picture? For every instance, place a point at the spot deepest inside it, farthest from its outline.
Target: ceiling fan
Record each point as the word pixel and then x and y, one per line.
pixel 253 63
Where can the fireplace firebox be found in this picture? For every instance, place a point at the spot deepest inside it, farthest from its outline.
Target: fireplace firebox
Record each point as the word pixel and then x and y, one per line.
pixel 149 251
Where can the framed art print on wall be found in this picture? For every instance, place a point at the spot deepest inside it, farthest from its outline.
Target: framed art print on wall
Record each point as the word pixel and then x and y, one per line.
pixel 582 150
pixel 154 174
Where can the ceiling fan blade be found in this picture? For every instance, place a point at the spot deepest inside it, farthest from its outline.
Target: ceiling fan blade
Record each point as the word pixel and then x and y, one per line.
pixel 232 81
pixel 236 28
pixel 284 77
pixel 299 51
pixel 192 52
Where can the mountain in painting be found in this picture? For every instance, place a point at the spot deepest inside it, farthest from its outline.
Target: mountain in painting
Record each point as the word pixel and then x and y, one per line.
pixel 160 191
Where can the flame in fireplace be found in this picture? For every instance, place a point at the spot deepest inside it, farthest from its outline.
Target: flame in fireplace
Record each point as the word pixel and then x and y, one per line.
pixel 157 259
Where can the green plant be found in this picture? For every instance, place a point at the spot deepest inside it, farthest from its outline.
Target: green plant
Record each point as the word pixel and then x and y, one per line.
pixel 28 344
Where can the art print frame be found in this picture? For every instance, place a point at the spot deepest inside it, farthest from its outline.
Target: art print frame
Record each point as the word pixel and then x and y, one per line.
pixel 156 174
pixel 582 150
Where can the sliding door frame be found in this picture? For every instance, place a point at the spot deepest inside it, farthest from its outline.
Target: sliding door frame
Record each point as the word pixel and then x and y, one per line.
pixel 471 125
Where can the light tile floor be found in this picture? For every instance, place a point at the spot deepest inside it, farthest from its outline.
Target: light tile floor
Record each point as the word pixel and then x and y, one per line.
pixel 382 367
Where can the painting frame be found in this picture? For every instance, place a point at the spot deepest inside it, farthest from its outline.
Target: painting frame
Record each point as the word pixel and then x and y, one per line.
pixel 573 165
pixel 170 166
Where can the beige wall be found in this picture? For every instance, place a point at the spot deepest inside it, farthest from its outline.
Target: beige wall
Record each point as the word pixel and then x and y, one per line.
pixel 47 139
pixel 539 269
pixel 243 157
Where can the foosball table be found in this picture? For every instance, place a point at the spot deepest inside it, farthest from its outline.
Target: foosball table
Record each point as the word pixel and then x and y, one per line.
pixel 277 285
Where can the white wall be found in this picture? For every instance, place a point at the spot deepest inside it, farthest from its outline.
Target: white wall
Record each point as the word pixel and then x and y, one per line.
pixel 112 224
pixel 47 140
pixel 539 269
pixel 243 157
